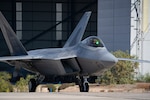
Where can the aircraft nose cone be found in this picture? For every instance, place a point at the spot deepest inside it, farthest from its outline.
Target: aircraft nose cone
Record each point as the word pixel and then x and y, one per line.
pixel 109 60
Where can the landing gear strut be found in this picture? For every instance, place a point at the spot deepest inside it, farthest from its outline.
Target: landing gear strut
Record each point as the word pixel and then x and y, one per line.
pixel 33 83
pixel 83 84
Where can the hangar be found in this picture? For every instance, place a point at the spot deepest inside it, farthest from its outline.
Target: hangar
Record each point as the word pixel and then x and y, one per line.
pixel 48 23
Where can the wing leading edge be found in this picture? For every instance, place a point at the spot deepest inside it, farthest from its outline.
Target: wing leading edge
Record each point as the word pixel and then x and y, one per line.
pixel 134 60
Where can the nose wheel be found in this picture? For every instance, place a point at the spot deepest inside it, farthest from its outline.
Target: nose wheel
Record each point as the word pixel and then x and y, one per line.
pixel 33 83
pixel 83 84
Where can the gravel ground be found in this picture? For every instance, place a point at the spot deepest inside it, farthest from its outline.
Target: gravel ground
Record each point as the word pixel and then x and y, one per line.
pixel 135 88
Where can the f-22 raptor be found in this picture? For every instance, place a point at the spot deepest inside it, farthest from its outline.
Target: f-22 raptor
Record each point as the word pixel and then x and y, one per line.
pixel 78 57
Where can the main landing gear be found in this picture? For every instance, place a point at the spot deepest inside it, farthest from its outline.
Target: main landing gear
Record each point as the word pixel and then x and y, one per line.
pixel 33 83
pixel 83 83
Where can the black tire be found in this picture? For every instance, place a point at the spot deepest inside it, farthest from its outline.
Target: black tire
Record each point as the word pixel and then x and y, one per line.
pixel 82 84
pixel 81 88
pixel 87 87
pixel 32 85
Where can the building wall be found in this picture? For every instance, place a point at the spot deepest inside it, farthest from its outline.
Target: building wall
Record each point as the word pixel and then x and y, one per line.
pixel 114 23
pixel 145 68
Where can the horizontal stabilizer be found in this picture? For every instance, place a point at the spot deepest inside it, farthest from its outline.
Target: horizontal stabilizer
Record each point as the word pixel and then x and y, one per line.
pixel 15 46
pixel 78 32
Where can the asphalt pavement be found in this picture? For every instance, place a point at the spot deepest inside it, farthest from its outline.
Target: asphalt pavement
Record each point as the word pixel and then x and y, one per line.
pixel 74 96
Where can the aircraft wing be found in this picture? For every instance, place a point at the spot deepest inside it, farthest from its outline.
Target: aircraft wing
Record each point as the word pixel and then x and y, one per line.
pixel 8 58
pixel 28 57
pixel 134 60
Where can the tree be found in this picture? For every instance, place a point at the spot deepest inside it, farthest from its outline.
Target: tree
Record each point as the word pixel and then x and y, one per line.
pixel 122 73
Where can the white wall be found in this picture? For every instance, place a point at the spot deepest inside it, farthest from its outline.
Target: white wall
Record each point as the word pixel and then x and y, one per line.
pixel 145 67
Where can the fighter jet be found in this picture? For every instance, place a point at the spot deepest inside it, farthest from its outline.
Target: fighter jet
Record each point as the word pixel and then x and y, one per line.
pixel 78 57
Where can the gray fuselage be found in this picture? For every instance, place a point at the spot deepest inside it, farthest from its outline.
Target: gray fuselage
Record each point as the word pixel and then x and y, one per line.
pixel 87 60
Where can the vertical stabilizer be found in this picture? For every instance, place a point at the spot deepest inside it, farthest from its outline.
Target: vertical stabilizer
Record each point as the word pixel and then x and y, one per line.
pixel 15 46
pixel 78 32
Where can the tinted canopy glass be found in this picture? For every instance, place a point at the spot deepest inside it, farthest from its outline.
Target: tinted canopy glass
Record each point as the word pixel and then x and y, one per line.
pixel 93 42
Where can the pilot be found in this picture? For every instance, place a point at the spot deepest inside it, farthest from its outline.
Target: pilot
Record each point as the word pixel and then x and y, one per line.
pixel 94 42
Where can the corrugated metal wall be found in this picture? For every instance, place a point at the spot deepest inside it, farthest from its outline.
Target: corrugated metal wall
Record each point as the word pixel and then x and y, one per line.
pixel 114 23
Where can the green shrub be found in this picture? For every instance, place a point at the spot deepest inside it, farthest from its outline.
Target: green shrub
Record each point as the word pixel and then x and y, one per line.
pixel 51 87
pixel 143 78
pixel 147 77
pixel 5 85
pixel 121 73
pixel 5 75
pixel 22 84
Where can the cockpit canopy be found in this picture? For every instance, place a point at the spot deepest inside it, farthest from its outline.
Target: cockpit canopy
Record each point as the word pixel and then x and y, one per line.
pixel 93 41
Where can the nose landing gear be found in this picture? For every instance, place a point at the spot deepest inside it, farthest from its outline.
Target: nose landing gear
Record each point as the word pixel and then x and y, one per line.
pixel 83 83
pixel 33 83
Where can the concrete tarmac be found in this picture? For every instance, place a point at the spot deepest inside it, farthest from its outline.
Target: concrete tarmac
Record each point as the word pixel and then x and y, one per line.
pixel 74 96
